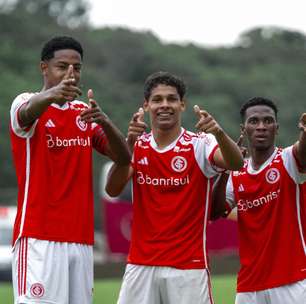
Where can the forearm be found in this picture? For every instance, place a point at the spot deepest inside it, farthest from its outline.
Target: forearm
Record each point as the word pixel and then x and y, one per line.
pixel 33 109
pixel 118 148
pixel 117 179
pixel 231 154
pixel 218 208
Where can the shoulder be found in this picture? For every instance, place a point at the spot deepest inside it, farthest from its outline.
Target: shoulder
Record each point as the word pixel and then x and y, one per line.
pixel 205 138
pixel 22 98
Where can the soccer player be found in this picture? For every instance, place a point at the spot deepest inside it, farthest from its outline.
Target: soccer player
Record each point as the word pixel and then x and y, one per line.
pixel 172 171
pixel 52 136
pixel 267 193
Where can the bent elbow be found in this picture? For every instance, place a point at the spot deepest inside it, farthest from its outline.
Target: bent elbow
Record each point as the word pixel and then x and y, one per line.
pixel 112 192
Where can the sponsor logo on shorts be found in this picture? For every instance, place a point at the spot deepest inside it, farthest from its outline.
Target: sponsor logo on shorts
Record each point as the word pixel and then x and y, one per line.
pixel 179 163
pixel 272 176
pixel 37 290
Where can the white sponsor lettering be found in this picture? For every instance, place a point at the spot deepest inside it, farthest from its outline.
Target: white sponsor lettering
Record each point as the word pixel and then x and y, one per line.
pixel 154 181
pixel 67 142
pixel 244 205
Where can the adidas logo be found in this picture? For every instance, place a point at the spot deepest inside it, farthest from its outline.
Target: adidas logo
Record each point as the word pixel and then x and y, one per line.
pixel 50 124
pixel 143 161
pixel 240 188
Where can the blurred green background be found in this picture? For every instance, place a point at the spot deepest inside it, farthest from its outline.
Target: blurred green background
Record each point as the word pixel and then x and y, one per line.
pixel 266 62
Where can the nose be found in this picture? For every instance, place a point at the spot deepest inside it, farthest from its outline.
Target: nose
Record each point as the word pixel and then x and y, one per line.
pixel 261 125
pixel 164 103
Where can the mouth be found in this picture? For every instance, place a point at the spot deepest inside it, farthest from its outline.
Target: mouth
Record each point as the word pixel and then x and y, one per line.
pixel 261 138
pixel 164 115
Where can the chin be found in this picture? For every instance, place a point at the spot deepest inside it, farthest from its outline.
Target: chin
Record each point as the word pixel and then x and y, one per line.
pixel 263 147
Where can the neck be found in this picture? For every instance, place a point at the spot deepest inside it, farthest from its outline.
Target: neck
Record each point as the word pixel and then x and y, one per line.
pixel 260 156
pixel 164 138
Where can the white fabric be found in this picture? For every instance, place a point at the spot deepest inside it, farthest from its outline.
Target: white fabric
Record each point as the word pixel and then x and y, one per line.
pixel 52 272
pixel 17 103
pixel 164 285
pixel 288 294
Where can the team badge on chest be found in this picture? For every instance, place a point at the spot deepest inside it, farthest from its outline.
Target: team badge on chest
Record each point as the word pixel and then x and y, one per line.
pixel 178 163
pixel 272 175
pixel 82 125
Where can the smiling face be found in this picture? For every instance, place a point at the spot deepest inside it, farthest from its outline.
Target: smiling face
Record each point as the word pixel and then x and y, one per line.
pixel 55 68
pixel 164 106
pixel 260 127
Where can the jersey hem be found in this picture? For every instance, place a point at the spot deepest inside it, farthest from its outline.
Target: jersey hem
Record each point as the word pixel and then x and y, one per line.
pixel 54 239
pixel 272 285
pixel 183 267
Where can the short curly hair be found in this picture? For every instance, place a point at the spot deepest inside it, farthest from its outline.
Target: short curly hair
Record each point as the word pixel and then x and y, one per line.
pixel 60 43
pixel 164 78
pixel 257 101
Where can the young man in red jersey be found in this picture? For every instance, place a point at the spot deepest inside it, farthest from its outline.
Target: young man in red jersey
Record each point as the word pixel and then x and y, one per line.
pixel 52 137
pixel 172 171
pixel 268 195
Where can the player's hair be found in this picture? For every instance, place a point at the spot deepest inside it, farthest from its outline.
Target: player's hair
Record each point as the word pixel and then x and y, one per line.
pixel 60 43
pixel 257 101
pixel 164 78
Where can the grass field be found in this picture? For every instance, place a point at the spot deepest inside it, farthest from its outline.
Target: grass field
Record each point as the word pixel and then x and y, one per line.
pixel 106 291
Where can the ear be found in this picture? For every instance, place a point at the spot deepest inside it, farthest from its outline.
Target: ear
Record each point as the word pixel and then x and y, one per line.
pixel 145 105
pixel 43 67
pixel 277 128
pixel 242 129
pixel 183 105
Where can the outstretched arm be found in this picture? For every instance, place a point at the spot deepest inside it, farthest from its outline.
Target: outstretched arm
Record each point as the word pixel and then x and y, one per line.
pixel 228 155
pixel 300 146
pixel 220 208
pixel 38 103
pixel 118 176
pixel 117 149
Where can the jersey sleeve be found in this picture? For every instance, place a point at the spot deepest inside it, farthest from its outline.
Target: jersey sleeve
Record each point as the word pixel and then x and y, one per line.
pixel 14 116
pixel 230 197
pixel 205 146
pixel 99 139
pixel 291 166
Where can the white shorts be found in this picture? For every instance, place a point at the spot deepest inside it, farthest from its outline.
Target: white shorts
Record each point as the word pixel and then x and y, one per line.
pixel 165 285
pixel 287 294
pixel 52 272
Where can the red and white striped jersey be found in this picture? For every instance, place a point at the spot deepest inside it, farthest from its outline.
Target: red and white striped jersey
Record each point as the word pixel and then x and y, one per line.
pixel 171 201
pixel 53 161
pixel 272 234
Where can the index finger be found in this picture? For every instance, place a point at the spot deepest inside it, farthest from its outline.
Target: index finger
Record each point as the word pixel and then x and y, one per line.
pixel 197 110
pixel 69 73
pixel 138 116
pixel 92 102
pixel 303 118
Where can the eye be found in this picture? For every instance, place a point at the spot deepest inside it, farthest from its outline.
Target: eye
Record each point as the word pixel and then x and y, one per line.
pixel 77 68
pixel 253 120
pixel 269 120
pixel 156 99
pixel 62 67
pixel 173 98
